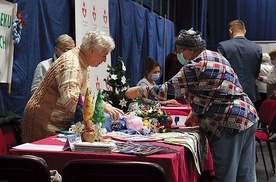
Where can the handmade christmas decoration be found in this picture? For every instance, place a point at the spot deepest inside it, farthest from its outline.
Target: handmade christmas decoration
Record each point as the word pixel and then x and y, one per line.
pixel 154 118
pixel 134 122
pixel 87 110
pixel 99 115
pixel 88 134
pixel 119 125
pixel 17 24
pixel 117 84
pixel 76 128
pixel 78 113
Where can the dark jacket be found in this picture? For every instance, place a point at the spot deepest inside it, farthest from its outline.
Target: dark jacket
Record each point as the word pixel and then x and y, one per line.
pixel 245 58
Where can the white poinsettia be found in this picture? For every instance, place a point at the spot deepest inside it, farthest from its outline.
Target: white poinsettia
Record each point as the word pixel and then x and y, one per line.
pixel 114 77
pixel 123 79
pixel 123 103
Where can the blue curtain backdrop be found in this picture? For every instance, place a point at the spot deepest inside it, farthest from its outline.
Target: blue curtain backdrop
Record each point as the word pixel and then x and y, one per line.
pixel 137 32
pixel 45 21
pixel 259 17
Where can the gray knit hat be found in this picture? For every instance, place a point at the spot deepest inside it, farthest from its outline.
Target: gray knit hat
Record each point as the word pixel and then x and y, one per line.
pixel 190 39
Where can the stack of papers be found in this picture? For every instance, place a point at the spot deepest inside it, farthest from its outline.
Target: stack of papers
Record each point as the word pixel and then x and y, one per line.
pixel 99 147
pixel 142 148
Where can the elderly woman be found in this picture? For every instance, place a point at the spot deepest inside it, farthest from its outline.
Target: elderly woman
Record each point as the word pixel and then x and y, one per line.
pixel 53 104
pixel 270 79
pixel 262 87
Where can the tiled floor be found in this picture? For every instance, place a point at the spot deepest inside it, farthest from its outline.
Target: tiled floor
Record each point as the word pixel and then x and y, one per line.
pixel 261 176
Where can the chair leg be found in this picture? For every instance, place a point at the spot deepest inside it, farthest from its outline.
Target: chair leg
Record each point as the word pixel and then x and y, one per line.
pixel 271 155
pixel 264 160
pixel 256 157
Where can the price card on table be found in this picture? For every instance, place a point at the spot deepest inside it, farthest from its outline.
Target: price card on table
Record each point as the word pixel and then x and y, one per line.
pixel 71 140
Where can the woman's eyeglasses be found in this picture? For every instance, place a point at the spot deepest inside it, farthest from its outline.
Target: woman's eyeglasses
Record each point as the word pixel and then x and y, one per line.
pixel 63 50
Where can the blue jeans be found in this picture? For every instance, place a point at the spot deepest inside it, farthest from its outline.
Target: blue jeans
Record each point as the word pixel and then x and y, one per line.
pixel 234 156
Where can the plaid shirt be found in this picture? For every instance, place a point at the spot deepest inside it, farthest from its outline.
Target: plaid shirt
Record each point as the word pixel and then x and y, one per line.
pixel 214 92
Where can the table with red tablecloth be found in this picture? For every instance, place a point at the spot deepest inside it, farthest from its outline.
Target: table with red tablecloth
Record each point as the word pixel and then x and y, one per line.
pixel 179 167
pixel 177 112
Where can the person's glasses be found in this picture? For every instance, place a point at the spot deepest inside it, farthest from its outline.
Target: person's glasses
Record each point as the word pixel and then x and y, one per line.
pixel 180 50
pixel 63 50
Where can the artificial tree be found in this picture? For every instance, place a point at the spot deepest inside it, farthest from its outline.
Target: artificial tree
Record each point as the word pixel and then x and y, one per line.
pixel 117 84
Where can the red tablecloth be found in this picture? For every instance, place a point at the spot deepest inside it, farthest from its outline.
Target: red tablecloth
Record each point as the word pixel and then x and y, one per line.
pixel 181 110
pixel 179 167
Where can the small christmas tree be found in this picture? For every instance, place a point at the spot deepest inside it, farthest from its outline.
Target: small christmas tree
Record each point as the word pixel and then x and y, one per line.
pixel 117 84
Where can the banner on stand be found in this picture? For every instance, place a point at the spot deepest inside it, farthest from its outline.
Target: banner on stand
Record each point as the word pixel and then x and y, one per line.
pixel 7 14
pixel 92 15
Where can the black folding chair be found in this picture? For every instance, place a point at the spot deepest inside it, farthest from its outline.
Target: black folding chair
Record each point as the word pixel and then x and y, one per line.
pixel 23 168
pixel 103 171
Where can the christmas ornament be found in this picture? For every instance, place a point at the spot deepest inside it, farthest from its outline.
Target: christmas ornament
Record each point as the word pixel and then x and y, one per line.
pixel 117 84
pixel 99 116
pixel 123 103
pixel 134 122
pixel 79 113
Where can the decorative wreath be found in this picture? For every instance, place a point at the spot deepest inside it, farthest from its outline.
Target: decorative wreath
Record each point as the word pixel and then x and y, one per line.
pixel 17 24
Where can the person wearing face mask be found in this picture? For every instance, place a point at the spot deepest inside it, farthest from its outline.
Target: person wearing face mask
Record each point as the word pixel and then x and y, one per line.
pixel 270 79
pixel 151 75
pixel 223 112
pixel 52 106
pixel 181 58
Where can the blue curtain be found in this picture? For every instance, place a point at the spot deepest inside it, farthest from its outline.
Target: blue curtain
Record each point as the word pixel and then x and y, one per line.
pixel 138 33
pixel 211 17
pixel 45 21
pixel 259 17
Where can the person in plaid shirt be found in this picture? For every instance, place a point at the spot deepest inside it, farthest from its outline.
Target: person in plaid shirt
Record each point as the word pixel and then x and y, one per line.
pixel 219 106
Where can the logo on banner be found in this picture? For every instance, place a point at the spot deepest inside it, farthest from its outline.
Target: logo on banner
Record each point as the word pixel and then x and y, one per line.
pixel 105 16
pixel 94 13
pixel 83 9
pixel 107 86
pixel 98 85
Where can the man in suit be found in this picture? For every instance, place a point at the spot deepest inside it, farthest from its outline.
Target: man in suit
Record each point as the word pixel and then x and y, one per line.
pixel 244 56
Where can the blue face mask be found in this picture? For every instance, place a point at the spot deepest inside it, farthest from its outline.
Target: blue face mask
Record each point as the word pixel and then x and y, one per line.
pixel 155 77
pixel 181 59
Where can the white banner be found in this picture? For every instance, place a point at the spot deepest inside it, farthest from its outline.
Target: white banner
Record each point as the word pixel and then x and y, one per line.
pixel 267 46
pixel 92 15
pixel 7 14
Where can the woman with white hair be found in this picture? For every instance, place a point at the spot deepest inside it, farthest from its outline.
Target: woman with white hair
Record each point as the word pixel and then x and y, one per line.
pixel 270 79
pixel 52 106
pixel 264 70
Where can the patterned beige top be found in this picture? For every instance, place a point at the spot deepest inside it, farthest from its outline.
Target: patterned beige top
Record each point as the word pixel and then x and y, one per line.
pixel 53 104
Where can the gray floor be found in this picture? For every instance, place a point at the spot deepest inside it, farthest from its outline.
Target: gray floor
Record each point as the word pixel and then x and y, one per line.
pixel 261 176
